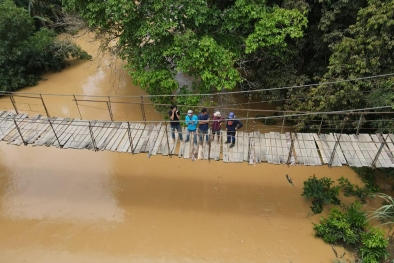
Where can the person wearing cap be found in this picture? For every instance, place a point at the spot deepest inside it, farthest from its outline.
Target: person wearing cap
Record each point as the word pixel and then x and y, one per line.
pixel 191 123
pixel 175 116
pixel 232 125
pixel 203 120
pixel 216 125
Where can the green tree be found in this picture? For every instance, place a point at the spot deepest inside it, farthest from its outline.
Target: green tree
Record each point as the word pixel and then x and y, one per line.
pixel 210 40
pixel 365 48
pixel 26 54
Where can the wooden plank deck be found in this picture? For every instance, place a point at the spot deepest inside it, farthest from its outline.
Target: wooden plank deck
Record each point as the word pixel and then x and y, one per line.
pixel 273 147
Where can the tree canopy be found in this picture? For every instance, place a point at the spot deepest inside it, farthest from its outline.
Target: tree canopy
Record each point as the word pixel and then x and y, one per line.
pixel 255 44
pixel 25 54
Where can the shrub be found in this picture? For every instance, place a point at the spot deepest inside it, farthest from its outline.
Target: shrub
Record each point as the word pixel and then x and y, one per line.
pixel 321 193
pixel 350 189
pixel 351 229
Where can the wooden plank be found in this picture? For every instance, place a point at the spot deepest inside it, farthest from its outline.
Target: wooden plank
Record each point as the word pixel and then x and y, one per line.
pixel 267 138
pixel 35 130
pixel 114 136
pixel 23 125
pixel 5 124
pixel 274 148
pixel 363 148
pixel 80 140
pixel 122 133
pixel 311 149
pixel 49 132
pixel 320 148
pixel 9 125
pixel 226 157
pixel 59 131
pixel 357 151
pixel 153 138
pixel 98 131
pixel 264 148
pixel 386 138
pixel 215 148
pixel 299 155
pixel 87 141
pixel 105 138
pixel 370 148
pixel 331 141
pixel 140 140
pixel 77 132
pixel 390 145
pixel 124 145
pixel 28 129
pixel 383 158
pixel 347 150
pixel 159 140
pixel 257 146
pixel 67 133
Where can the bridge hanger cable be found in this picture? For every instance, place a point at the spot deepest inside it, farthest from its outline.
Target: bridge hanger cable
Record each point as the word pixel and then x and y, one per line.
pixel 209 94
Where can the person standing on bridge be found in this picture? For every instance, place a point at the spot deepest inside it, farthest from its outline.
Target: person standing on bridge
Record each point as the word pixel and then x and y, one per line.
pixel 191 122
pixel 203 120
pixel 216 125
pixel 232 125
pixel 175 116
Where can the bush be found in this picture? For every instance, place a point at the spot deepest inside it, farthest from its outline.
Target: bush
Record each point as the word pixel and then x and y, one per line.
pixel 351 229
pixel 321 193
pixel 362 193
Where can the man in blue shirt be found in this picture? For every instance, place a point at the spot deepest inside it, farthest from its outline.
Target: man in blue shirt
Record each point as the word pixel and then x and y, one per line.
pixel 203 120
pixel 232 125
pixel 191 122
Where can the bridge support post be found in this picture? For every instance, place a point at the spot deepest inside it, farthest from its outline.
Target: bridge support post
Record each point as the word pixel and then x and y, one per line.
pixel 54 132
pixel 92 137
pixel 143 109
pixel 283 123
pixel 130 139
pixel 336 143
pixel 373 164
pixel 14 104
pixel 168 143
pixel 110 108
pixel 291 149
pixel 19 131
pixel 45 107
pixel 321 123
pixel 76 102
pixel 359 124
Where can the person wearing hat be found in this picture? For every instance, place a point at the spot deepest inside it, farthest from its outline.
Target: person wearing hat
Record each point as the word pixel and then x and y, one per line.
pixel 191 123
pixel 175 116
pixel 203 120
pixel 232 125
pixel 216 125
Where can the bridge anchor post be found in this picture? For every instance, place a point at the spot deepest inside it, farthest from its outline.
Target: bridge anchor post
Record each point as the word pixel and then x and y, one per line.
pixel 54 132
pixel 92 137
pixel 19 131
pixel 14 104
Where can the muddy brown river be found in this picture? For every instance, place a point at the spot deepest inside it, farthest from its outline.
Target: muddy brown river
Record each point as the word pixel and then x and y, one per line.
pixel 84 206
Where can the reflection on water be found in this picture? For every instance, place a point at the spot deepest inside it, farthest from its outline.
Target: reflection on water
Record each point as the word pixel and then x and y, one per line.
pixel 74 189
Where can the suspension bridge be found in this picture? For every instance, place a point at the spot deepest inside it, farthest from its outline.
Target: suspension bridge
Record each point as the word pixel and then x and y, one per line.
pixel 312 149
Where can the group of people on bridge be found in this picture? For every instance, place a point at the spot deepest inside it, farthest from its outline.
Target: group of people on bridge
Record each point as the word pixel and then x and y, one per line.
pixel 200 125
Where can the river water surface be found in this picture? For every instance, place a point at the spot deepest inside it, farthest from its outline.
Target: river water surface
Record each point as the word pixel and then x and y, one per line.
pixel 84 206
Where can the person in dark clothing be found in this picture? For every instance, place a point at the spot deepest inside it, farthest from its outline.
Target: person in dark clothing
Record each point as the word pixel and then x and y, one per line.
pixel 232 125
pixel 217 121
pixel 175 116
pixel 203 120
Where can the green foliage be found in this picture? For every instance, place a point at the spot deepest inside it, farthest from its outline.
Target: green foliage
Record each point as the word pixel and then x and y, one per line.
pixel 321 192
pixel 351 229
pixel 26 54
pixel 207 40
pixel 373 246
pixel 343 228
pixel 350 189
